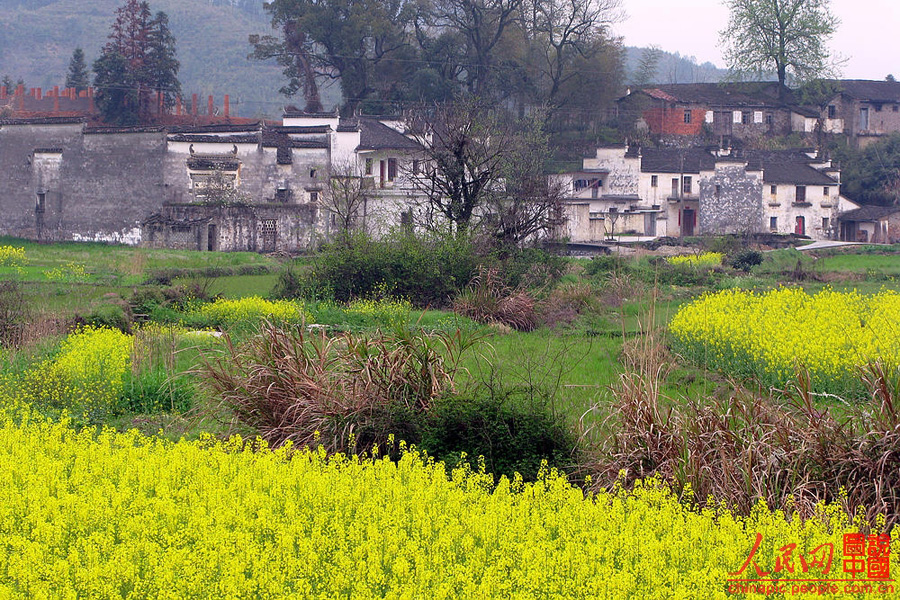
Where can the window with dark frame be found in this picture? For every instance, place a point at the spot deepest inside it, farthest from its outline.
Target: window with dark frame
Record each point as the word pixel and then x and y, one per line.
pixel 654 181
pixel 41 198
pixel 415 167
pixel 368 166
pixel 832 111
pixel 825 223
pixel 745 118
pixel 686 185
pixel 687 116
pixel 773 189
pixel 770 118
pixel 392 169
pixel 826 191
pixel 773 223
pixel 800 194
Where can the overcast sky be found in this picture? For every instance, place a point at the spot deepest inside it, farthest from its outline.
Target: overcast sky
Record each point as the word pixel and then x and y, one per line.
pixel 867 36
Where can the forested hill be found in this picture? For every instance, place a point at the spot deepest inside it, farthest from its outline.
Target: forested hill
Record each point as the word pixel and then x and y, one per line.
pixel 37 38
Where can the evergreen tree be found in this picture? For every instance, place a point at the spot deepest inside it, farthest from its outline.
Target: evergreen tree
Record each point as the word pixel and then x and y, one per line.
pixel 138 59
pixel 78 77
pixel 161 66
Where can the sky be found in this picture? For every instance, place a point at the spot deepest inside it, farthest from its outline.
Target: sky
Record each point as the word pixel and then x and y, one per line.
pixel 867 37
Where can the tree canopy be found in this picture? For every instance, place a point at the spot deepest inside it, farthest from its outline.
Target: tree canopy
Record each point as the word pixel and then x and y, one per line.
pixel 396 53
pixel 785 37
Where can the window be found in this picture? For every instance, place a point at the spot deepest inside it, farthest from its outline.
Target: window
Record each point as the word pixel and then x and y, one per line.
pixel 770 118
pixel 654 181
pixel 314 196
pixel 368 166
pixel 864 118
pixel 745 118
pixel 718 190
pixel 687 116
pixel 686 185
pixel 826 191
pixel 41 198
pixel 825 223
pixel 415 167
pixel 674 187
pixel 773 223
pixel 312 173
pixel 773 189
pixel 392 169
pixel 832 111
pixel 800 195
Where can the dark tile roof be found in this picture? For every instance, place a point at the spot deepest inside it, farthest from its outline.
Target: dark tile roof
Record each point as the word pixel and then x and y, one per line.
pixel 869 213
pixel 794 173
pixel 786 166
pixel 209 162
pixel 48 151
pixel 309 144
pixel 304 129
pixel 763 94
pixel 45 121
pixel 136 129
pixel 374 135
pixel 215 139
pixel 676 160
pixel 874 91
pixel 296 114
pixel 216 128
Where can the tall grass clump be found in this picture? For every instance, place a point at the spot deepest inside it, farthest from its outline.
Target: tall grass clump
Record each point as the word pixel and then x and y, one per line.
pixel 288 385
pixel 488 299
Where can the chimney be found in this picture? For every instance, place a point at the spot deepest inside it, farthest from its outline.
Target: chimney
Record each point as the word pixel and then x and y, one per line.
pixel 226 106
pixel 194 104
pixel 39 93
pixel 209 106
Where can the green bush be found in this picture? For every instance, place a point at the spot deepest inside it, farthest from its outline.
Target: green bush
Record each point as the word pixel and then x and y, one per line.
pixel 507 430
pixel 111 315
pixel 428 270
pixel 746 260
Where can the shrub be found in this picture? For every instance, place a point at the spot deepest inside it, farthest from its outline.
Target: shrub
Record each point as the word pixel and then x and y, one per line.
pixel 428 270
pixel 111 315
pixel 501 427
pixel 600 265
pixel 746 260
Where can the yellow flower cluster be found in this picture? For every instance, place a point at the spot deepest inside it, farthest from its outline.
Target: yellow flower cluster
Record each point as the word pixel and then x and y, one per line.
pixel 69 272
pixel 771 333
pixel 253 308
pixel 86 376
pixel 11 256
pixel 111 515
pixel 386 311
pixel 705 260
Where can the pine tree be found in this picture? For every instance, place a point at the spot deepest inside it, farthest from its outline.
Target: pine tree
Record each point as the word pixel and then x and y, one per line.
pixel 161 66
pixel 78 77
pixel 138 59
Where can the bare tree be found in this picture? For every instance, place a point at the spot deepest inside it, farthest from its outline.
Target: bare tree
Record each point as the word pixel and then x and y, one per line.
pixel 346 197
pixel 485 173
pixel 563 31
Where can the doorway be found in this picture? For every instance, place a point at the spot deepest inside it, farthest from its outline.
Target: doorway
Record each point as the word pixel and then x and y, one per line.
pixel 688 221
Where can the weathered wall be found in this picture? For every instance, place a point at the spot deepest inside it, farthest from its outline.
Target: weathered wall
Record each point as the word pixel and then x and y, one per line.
pixel 98 186
pixel 730 200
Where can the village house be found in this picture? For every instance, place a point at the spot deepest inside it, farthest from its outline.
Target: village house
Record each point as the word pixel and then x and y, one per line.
pixel 720 111
pixel 694 191
pixel 863 110
pixel 871 224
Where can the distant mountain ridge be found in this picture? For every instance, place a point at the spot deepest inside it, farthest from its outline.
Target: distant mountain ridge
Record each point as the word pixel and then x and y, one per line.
pixel 673 68
pixel 37 38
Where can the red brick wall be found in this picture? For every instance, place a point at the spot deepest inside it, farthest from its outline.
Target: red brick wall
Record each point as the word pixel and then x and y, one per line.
pixel 666 120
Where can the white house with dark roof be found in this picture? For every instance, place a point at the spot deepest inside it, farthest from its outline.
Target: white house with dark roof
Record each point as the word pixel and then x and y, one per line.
pixel 693 191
